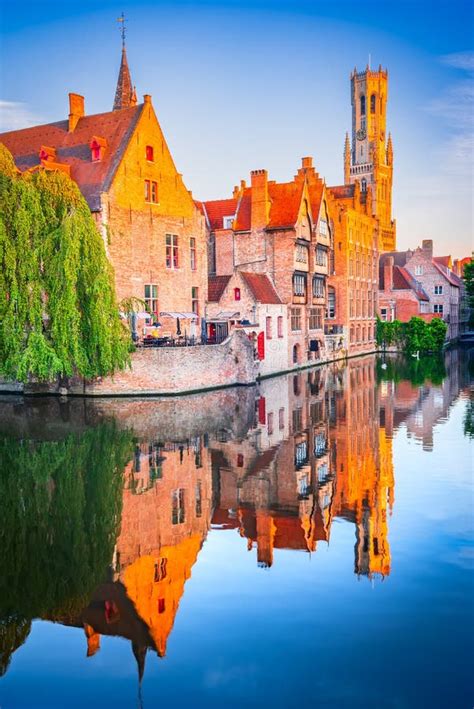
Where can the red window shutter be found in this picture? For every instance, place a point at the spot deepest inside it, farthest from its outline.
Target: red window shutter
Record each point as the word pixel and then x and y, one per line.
pixel 261 345
pixel 262 414
pixel 240 460
pixel 236 293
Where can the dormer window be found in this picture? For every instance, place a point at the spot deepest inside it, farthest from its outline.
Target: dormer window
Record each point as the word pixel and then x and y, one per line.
pixel 149 153
pixel 47 154
pixel 97 146
pixel 227 222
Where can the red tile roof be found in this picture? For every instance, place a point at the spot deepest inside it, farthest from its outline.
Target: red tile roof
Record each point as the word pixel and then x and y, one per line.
pixel 217 209
pixel 449 275
pixel 402 280
pixel 215 287
pixel 73 148
pixel 261 287
pixel 443 260
pixel 285 201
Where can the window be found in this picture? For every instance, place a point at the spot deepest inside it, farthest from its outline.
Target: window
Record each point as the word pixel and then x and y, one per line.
pixel 438 290
pixel 297 419
pixel 161 605
pixel 321 256
pixel 315 318
pixel 280 326
pixel 323 227
pixel 299 284
pixel 301 454
pixel 362 105
pixel 171 251
pixel 198 493
pixel 438 308
pixel 383 314
pixel 192 253
pixel 195 300
pixel 177 506
pixel 268 327
pixel 236 293
pixel 160 569
pixel 301 254
pixel 270 423
pixel 149 153
pixel 151 191
pixel 227 222
pixel 363 184
pixel 281 419
pixel 95 152
pixel 151 298
pixel 318 286
pixel 295 318
pixel 418 270
pixel 331 309
pixel 372 103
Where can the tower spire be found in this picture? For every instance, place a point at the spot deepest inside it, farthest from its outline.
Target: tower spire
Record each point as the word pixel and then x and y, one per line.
pixel 125 95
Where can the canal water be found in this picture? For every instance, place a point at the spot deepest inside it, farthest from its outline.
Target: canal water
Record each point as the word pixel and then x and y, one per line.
pixel 303 543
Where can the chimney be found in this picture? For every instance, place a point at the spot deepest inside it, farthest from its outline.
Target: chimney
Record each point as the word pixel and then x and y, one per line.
pixel 76 110
pixel 260 203
pixel 306 163
pixel 427 246
pixel 146 98
pixel 388 274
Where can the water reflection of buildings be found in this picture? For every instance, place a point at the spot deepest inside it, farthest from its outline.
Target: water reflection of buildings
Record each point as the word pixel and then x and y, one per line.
pixel 315 452
pixel 278 464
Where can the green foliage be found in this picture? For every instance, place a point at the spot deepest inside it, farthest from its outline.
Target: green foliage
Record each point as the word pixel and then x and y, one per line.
pixel 58 313
pixel 60 505
pixel 468 277
pixel 414 336
pixel 417 371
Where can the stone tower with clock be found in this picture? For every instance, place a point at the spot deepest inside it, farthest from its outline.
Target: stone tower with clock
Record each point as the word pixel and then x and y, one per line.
pixel 368 159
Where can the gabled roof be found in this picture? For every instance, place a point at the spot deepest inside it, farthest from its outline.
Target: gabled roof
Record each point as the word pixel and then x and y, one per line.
pixel 217 209
pixel 261 287
pixel 216 285
pixel 285 201
pixel 73 148
pixel 403 280
pixel 449 275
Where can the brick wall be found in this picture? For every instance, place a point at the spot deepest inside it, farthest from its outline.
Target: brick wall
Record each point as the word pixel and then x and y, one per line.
pixel 169 370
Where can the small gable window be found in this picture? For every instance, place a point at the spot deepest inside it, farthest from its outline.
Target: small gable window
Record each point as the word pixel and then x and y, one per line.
pixel 236 293
pixel 372 103
pixel 149 153
pixel 97 147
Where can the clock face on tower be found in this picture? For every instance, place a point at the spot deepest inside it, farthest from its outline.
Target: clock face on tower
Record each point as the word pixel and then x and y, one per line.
pixel 360 135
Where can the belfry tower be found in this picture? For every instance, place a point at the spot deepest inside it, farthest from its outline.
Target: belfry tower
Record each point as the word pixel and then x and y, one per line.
pixel 368 158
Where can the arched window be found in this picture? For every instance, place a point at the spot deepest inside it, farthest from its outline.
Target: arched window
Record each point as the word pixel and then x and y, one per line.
pixel 296 354
pixel 372 103
pixel 363 184
pixel 362 105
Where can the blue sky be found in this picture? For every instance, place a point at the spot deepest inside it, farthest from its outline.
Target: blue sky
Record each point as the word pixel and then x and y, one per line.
pixel 245 85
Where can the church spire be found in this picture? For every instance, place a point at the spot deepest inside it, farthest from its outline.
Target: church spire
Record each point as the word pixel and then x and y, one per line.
pixel 125 95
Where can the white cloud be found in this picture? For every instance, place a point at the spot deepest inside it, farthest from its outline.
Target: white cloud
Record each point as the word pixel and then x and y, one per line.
pixel 15 115
pixel 460 60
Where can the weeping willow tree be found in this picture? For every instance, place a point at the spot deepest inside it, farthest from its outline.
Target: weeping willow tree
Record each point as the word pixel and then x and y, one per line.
pixel 60 511
pixel 58 312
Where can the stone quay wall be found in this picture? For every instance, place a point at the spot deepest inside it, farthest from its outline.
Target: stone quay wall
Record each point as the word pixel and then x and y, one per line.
pixel 165 371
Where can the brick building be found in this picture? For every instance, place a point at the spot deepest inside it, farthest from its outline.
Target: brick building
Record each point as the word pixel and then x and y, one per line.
pixel 154 234
pixel 281 230
pixel 433 276
pixel 249 302
pixel 401 297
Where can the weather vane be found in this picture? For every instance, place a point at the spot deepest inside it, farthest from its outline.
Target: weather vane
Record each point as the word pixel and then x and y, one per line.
pixel 122 28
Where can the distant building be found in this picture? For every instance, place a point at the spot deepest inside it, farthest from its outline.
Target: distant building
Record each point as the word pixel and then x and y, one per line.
pixel 426 276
